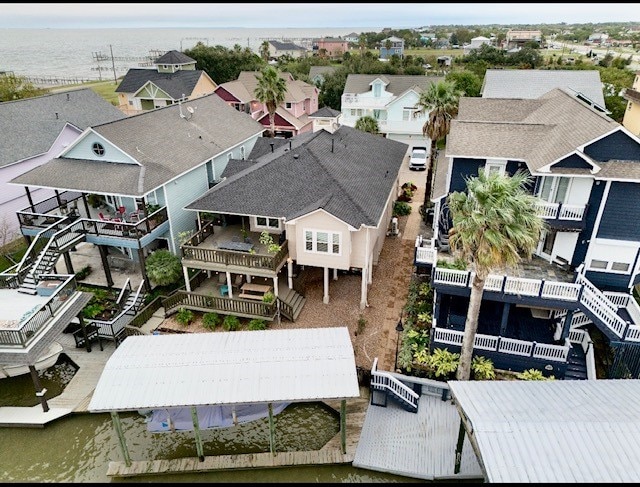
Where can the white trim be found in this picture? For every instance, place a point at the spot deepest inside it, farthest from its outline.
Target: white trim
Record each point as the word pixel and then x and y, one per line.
pixel 596 224
pixel 620 243
pixel 500 164
pixel 149 82
pixel 314 242
pixel 267 226
pixel 85 134
pixel 295 220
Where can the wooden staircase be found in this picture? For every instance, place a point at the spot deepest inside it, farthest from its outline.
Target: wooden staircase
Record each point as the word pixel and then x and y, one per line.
pixel 291 303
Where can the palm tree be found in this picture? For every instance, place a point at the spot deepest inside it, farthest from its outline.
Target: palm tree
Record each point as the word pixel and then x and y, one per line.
pixel 440 101
pixel 264 51
pixel 495 226
pixel 368 124
pixel 271 90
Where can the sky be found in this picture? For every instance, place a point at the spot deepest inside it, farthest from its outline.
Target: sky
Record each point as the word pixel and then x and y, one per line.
pixel 310 15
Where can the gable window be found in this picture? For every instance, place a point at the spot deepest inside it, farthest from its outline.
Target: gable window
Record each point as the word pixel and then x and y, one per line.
pixel 98 149
pixel 495 166
pixel 321 242
pixel 270 223
pixel 288 105
pixel 377 90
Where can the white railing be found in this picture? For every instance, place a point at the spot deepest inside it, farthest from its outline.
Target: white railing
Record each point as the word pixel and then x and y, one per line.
pixel 633 333
pixel 493 283
pixel 626 301
pixel 451 277
pixel 547 210
pixel 558 353
pixel 387 382
pixel 572 212
pixel 522 286
pixel 579 319
pixel 567 291
pixel 425 255
pixel 600 308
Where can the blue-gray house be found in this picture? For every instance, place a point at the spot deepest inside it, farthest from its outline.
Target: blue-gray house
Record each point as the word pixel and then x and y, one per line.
pixel 586 170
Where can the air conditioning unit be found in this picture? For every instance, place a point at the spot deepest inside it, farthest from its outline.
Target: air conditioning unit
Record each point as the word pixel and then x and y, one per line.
pixel 394 227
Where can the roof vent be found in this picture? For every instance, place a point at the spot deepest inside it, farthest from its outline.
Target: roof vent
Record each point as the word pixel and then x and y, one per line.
pixel 296 156
pixel 56 115
pixel 68 97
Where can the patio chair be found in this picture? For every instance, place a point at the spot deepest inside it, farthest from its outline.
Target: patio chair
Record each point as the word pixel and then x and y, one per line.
pixel 122 210
pixel 103 217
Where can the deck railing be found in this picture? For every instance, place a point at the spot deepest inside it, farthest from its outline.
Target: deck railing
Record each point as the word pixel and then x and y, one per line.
pixel 426 254
pixel 558 211
pixel 582 339
pixel 509 346
pixel 234 258
pixel 229 306
pixel 386 382
pixel 32 325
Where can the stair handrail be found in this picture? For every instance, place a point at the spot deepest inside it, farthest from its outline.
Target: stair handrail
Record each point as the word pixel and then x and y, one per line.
pixel 53 242
pixel 605 310
pixel 31 255
pixel 124 288
pixel 134 302
pixel 393 385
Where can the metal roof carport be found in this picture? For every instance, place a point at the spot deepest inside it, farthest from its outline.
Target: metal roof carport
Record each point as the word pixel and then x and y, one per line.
pixel 226 368
pixel 553 431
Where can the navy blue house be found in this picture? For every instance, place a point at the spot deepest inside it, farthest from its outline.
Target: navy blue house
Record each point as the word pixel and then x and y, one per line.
pixel 585 169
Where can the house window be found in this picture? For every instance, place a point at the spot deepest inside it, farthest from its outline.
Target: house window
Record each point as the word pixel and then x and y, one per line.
pixel 356 112
pixel 264 222
pixel 322 242
pixel 377 90
pixel 288 105
pixel 98 149
pixel 495 166
pixel 598 264
pixel 620 266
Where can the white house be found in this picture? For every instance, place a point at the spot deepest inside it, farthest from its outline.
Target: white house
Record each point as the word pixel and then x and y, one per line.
pixel 391 100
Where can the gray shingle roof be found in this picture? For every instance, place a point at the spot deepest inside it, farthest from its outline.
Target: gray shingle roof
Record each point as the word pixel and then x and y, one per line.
pixel 29 127
pixel 532 83
pixel 286 46
pixel 321 70
pixel 263 146
pixel 325 112
pixel 351 182
pixel 174 84
pixel 164 144
pixel 174 57
pixel 398 84
pixel 555 125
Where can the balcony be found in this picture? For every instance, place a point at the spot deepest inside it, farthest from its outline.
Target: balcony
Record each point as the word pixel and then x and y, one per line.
pixel 566 217
pixel 206 250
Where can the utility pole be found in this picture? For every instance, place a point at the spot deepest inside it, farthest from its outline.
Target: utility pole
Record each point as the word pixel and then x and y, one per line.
pixel 113 65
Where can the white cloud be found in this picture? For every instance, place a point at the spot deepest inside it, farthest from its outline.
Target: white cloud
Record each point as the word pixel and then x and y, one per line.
pixel 300 15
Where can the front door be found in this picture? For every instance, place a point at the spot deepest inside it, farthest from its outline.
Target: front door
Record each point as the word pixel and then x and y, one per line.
pixel 545 248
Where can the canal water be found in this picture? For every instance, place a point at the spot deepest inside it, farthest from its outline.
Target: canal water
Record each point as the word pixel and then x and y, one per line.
pixel 79 447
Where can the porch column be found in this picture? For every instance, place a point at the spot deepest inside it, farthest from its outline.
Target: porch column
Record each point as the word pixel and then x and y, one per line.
pixel 343 426
pixel 370 273
pixel 229 287
pixel 335 273
pixel 275 286
pixel 248 276
pixel 86 205
pixel 68 263
pixel 196 430
pixel 117 425
pixel 363 289
pixel 33 208
pixel 143 270
pixel 325 298
pixel 40 392
pixel 505 318
pixel 187 284
pixel 290 272
pixel 567 326
pixel 105 264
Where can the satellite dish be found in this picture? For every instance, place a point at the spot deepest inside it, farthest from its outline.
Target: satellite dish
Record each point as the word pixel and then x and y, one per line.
pixel 190 110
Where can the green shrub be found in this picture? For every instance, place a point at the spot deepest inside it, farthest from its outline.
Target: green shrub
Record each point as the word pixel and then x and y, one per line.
pixel 257 324
pixel 443 362
pixel 230 323
pixel 362 322
pixel 482 368
pixel 184 316
pixel 92 310
pixel 83 273
pixel 268 297
pixel 533 374
pixel 401 208
pixel 163 267
pixel 210 320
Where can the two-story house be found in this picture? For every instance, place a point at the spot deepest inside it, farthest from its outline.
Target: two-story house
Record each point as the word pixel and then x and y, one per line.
pixel 517 38
pixel 390 46
pixel 174 78
pixel 631 119
pixel 35 130
pixel 326 199
pixel 585 169
pixel 122 186
pixel 391 100
pixel 282 48
pixel 291 117
pixel 330 47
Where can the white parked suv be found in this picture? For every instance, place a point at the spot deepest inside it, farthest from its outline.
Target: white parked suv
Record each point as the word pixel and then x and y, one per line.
pixel 418 160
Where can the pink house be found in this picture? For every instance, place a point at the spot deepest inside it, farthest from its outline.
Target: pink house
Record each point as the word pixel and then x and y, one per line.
pixel 330 47
pixel 291 117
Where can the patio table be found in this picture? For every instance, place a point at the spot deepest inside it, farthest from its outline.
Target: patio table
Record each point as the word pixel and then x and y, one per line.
pixel 237 246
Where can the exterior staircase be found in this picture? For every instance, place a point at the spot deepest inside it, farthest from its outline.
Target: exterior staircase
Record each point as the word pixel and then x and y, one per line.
pixel 576 365
pixel 386 385
pixel 291 303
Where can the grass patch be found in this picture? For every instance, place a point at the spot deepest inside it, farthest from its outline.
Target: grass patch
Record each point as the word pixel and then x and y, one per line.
pixel 106 89
pixel 14 250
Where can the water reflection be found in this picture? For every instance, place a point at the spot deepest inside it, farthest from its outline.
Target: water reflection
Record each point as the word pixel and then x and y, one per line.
pixel 79 448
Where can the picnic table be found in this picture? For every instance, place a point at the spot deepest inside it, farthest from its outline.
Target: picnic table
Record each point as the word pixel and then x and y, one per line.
pixel 254 291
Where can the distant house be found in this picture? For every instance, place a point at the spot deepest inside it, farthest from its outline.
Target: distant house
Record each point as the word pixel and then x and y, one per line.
pixel 174 78
pixel 35 130
pixel 292 116
pixel 330 47
pixel 326 118
pixel 517 38
pixel 396 46
pixel 353 37
pixel 475 43
pixel 631 120
pixel 532 83
pixel 278 49
pixel 391 100
pixel 598 37
pixel 317 73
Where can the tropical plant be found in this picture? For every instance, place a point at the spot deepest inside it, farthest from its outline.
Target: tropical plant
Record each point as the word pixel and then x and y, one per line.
pixel 271 91
pixel 401 208
pixel 163 267
pixel 443 363
pixel 210 320
pixel 184 316
pixel 440 101
pixel 482 368
pixel 267 239
pixel 495 226
pixel 264 51
pixel 268 297
pixel 257 324
pixel 533 374
pixel 230 323
pixel 368 124
pixel 92 310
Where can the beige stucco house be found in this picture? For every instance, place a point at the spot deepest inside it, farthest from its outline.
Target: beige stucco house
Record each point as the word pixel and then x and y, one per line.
pixel 631 120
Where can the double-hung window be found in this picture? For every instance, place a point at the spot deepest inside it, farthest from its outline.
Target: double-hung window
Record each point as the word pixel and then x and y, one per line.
pixel 322 242
pixel 269 223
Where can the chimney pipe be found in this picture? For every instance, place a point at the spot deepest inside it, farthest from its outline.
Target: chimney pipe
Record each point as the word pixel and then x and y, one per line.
pixel 289 145
pixel 56 115
pixel 271 144
pixel 68 98
pixel 332 145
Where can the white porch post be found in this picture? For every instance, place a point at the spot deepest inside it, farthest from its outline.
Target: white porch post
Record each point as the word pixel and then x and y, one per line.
pixel 229 284
pixel 248 278
pixel 335 274
pixel 290 272
pixel 325 298
pixel 370 269
pixel 186 278
pixel 363 289
pixel 275 286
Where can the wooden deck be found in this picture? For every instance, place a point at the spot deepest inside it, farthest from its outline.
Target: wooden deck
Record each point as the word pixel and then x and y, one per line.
pixel 329 454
